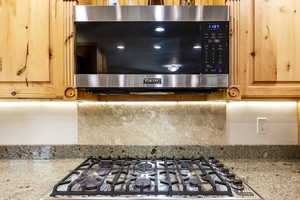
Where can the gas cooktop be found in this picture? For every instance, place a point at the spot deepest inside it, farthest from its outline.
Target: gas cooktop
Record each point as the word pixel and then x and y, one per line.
pixel 164 178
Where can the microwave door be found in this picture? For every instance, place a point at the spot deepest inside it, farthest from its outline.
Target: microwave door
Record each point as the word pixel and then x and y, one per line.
pixel 147 53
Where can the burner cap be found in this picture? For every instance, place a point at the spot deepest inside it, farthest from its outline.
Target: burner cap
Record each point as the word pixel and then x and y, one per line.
pixel 194 182
pixel 90 183
pixel 142 182
pixel 185 165
pixel 102 171
pixel 144 167
pixel 185 172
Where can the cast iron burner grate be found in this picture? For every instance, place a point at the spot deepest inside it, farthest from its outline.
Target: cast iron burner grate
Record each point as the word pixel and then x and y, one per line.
pixel 164 176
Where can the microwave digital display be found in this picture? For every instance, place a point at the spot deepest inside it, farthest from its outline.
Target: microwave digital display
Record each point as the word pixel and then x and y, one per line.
pixel 214 26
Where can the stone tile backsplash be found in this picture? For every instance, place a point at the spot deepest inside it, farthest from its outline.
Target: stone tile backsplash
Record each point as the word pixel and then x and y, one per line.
pixel 152 123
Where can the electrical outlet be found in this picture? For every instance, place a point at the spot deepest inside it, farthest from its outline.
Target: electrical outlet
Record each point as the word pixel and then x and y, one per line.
pixel 261 125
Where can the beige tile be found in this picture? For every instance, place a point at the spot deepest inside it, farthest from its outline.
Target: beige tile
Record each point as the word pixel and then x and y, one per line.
pixel 148 123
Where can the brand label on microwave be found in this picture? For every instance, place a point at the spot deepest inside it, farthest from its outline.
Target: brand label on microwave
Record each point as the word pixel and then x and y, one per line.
pixel 152 80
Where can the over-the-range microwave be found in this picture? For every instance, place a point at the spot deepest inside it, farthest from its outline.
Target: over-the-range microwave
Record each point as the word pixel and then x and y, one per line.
pixel 151 48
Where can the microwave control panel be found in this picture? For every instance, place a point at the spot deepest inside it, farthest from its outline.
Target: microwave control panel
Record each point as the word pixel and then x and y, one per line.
pixel 215 48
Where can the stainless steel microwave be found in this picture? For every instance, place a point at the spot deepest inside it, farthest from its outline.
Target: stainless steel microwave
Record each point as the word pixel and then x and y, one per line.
pixel 152 48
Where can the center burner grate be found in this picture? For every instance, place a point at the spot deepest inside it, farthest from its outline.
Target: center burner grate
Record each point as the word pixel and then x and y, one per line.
pixel 129 176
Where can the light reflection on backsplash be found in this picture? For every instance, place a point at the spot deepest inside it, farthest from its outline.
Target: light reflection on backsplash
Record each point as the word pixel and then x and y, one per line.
pixel 153 103
pixel 152 123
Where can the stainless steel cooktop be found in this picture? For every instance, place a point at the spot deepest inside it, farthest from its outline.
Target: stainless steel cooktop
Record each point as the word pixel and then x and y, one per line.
pixel 164 178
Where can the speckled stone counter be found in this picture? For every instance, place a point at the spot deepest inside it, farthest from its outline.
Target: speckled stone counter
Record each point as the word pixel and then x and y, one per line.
pixel 32 179
pixel 141 151
pixel 274 180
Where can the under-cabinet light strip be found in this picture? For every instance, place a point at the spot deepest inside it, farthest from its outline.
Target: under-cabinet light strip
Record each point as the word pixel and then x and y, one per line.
pixel 153 102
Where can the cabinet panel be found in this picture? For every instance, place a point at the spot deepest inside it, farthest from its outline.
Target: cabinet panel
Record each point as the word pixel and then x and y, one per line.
pixel 48 30
pixel 24 39
pixel 277 40
pixel 268 55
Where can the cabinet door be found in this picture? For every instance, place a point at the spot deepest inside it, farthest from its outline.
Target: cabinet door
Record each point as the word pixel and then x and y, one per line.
pixel 277 41
pixel 270 48
pixel 24 39
pixel 36 42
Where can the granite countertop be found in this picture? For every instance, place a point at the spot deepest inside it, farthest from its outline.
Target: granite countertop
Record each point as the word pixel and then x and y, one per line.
pixel 32 179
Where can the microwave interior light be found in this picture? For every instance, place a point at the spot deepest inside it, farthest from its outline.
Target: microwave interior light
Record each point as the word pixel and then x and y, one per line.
pixel 173 67
pixel 197 46
pixel 157 46
pixel 159 29
pixel 120 47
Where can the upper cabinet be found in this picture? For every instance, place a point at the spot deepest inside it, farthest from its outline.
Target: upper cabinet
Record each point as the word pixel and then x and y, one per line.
pixel 33 38
pixel 37 37
pixel 36 40
pixel 269 48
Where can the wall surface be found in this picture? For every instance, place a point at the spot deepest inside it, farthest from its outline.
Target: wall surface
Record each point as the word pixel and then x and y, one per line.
pixel 279 127
pixel 38 123
pixel 147 123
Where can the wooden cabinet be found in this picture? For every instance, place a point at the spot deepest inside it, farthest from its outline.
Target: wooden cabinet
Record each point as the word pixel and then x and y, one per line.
pixel 269 48
pixel 37 44
pixel 37 39
pixel 33 38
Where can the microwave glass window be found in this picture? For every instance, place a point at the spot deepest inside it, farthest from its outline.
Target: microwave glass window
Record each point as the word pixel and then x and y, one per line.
pixel 151 47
